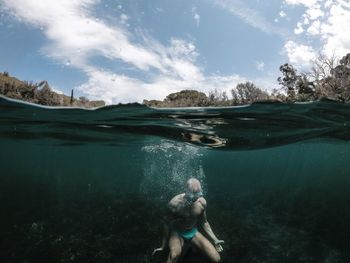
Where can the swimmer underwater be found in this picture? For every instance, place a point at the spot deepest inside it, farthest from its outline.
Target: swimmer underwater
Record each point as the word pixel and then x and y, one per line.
pixel 186 213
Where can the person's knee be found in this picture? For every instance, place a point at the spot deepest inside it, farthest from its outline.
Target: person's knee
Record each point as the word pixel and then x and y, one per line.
pixel 217 258
pixel 175 254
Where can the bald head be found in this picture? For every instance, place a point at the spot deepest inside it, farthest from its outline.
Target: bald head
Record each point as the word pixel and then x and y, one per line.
pixel 193 185
pixel 193 191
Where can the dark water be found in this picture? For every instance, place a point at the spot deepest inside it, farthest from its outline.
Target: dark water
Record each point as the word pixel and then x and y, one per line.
pixel 90 185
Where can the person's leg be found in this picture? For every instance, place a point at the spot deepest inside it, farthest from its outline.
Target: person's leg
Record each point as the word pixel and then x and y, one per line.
pixel 206 247
pixel 175 247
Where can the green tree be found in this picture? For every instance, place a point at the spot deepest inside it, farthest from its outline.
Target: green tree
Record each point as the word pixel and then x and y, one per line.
pixel 297 86
pixel 186 98
pixel 218 98
pixel 288 80
pixel 247 93
pixel 337 85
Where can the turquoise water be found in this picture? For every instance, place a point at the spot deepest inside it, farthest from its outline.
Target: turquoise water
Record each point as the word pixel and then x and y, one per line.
pixel 91 185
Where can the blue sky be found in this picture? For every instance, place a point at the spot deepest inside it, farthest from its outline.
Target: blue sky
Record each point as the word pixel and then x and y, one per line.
pixel 125 51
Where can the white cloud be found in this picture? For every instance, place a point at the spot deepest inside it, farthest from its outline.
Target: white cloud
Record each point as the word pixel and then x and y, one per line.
pixel 114 88
pixel 282 14
pixel 328 22
pixel 124 18
pixel 299 29
pixel 328 3
pixel 299 55
pixel 336 30
pixel 260 65
pixel 223 83
pixel 314 28
pixel 180 48
pixel 250 16
pixel 314 12
pixel 69 27
pixel 196 16
pixel 306 3
pixel 75 37
pixel 159 10
pixel 268 81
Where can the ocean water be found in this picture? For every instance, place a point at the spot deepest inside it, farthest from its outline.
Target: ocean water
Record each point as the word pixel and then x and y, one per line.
pixel 91 185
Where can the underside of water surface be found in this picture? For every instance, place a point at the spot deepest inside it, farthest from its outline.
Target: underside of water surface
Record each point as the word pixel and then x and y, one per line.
pixel 92 185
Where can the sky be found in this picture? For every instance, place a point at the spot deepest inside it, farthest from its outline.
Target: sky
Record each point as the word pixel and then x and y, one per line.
pixel 128 50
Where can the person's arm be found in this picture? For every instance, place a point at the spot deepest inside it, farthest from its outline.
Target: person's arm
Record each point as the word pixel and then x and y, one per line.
pixel 207 229
pixel 165 238
pixel 166 229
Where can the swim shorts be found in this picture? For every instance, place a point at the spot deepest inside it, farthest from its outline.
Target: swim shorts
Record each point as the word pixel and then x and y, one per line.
pixel 189 234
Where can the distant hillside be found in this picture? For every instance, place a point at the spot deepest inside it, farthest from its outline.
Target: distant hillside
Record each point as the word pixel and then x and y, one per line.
pixel 40 93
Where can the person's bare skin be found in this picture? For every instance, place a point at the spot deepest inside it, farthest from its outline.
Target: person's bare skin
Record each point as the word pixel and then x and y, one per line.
pixel 186 213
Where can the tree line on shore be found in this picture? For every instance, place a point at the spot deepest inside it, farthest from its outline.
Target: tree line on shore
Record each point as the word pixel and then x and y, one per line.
pixel 329 78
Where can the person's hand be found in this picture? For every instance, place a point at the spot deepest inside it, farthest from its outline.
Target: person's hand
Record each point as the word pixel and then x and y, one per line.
pixel 157 250
pixel 218 246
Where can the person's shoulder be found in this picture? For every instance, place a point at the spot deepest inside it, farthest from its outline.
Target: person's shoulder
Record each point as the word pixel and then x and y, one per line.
pixel 175 200
pixel 203 202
